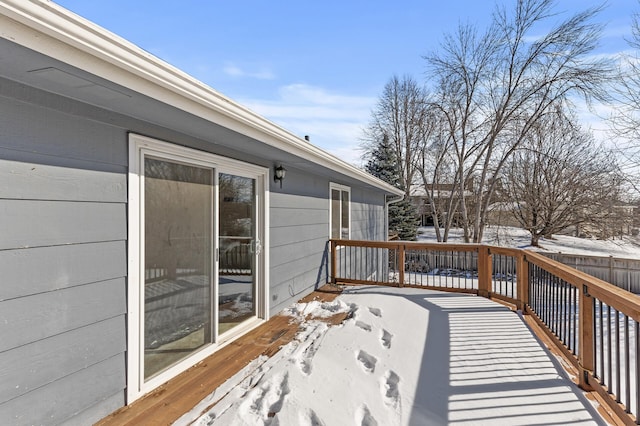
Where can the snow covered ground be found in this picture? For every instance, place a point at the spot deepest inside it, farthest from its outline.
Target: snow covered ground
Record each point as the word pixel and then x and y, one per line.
pixel 404 357
pixel 625 247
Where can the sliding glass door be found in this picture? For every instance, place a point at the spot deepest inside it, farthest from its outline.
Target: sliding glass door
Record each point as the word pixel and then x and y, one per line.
pixel 196 272
pixel 178 221
pixel 238 249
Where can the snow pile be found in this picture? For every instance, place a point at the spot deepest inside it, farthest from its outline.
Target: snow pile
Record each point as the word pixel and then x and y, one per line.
pixel 504 236
pixel 404 356
pixel 317 309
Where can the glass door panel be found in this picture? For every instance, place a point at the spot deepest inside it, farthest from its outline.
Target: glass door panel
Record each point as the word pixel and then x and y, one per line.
pixel 238 245
pixel 178 230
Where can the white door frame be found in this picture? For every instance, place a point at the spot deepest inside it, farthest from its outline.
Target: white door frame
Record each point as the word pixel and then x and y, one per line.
pixel 139 147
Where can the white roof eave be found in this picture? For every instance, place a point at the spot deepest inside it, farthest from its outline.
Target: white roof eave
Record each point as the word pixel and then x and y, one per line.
pixel 47 28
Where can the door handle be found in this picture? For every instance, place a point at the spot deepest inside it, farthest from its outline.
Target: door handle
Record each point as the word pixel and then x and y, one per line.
pixel 257 246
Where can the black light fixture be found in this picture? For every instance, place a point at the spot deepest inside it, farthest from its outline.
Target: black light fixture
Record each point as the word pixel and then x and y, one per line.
pixel 279 174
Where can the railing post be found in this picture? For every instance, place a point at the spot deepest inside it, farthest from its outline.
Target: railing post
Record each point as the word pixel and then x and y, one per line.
pixel 333 247
pixel 401 260
pixel 585 329
pixel 522 277
pixel 484 271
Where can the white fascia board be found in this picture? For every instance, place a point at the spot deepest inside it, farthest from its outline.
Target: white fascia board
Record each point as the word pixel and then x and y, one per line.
pixel 46 27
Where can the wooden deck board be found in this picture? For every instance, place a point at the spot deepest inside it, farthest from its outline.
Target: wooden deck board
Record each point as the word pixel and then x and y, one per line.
pixel 170 401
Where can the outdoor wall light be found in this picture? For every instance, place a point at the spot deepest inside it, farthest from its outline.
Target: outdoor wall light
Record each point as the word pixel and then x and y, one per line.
pixel 279 174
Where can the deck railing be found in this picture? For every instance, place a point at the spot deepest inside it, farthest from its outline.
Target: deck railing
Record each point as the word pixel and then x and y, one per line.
pixel 594 323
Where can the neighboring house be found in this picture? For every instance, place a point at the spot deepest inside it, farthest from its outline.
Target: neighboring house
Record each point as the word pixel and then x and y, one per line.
pixel 499 212
pixel 441 194
pixel 140 223
pixel 614 220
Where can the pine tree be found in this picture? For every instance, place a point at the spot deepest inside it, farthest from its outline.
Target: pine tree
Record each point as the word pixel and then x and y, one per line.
pixel 383 164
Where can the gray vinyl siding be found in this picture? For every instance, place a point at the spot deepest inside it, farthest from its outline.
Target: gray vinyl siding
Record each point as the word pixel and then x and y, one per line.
pixel 299 231
pixel 44 269
pixel 63 193
pixel 63 250
pixel 299 228
pixel 367 215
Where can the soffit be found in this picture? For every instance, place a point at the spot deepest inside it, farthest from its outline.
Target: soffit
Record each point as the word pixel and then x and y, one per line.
pixel 47 47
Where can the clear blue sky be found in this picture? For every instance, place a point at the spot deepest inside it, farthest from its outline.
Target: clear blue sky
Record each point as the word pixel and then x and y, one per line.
pixel 313 67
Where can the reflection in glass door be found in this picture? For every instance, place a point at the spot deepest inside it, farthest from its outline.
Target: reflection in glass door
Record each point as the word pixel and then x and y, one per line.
pixel 238 249
pixel 178 229
pixel 195 267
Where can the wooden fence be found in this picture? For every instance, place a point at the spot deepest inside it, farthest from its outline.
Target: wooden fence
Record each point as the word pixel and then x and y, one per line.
pixel 594 323
pixel 621 272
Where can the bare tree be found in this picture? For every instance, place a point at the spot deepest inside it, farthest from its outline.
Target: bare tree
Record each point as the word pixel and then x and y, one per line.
pixel 560 178
pixel 495 87
pixel 437 172
pixel 625 121
pixel 399 116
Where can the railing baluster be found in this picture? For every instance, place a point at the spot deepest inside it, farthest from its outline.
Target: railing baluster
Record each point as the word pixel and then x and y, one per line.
pixel 564 314
pixel 627 371
pixel 562 326
pixel 465 268
pixel 601 352
pixel 637 354
pixel 595 341
pixel 365 268
pixel 345 262
pixel 401 263
pixel 351 261
pixel 439 267
pixel 617 355
pixel 533 296
pixel 452 269
pixel 544 288
pixel 423 263
pixel 609 350
pixel 503 275
pixel 556 304
pixel 571 316
pixel 575 317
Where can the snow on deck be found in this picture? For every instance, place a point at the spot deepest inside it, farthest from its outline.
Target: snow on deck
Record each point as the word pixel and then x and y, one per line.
pixel 405 357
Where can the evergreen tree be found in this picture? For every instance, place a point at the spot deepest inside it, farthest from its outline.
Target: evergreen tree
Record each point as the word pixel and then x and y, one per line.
pixel 403 219
pixel 383 164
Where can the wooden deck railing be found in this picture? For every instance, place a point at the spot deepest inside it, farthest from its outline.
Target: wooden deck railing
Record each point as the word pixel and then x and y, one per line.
pixel 594 323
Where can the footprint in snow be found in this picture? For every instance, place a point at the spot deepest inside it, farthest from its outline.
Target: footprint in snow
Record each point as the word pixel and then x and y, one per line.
pixel 267 399
pixel 364 417
pixel 364 326
pixel 309 347
pixel 376 311
pixel 281 392
pixel 367 361
pixel 386 339
pixel 310 418
pixel 390 390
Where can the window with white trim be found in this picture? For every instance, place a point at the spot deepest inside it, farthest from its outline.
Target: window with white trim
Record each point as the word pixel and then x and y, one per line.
pixel 340 211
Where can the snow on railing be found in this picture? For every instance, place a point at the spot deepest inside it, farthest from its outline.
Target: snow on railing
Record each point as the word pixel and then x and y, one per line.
pixel 594 323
